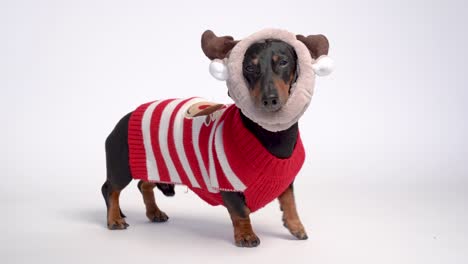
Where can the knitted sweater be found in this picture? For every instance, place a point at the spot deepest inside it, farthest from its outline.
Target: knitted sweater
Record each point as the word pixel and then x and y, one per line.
pixel 169 143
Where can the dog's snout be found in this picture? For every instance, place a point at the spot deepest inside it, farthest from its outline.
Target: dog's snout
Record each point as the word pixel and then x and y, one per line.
pixel 271 102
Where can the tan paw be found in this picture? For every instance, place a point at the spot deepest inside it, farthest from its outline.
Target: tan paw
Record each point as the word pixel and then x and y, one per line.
pixel 247 239
pixel 296 229
pixel 157 216
pixel 117 224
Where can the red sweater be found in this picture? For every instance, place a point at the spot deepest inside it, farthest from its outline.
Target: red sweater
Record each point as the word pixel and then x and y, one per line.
pixel 208 153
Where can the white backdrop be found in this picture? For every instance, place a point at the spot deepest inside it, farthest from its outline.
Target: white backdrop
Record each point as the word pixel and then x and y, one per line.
pixel 386 173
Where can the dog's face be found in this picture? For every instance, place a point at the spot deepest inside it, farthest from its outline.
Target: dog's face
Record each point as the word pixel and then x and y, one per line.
pixel 269 68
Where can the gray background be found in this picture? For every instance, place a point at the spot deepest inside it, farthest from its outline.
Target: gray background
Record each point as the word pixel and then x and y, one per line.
pixel 386 173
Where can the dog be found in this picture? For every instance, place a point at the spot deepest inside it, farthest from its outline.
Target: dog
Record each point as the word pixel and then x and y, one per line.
pixel 269 68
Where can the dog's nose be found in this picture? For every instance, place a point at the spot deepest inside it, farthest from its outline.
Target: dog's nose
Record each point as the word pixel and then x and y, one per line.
pixel 271 102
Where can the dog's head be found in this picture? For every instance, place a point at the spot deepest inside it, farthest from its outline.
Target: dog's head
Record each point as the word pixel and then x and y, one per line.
pixel 269 66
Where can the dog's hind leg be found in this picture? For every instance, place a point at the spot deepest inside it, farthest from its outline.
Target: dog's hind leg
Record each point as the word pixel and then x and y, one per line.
pixel 118 173
pixel 290 216
pixel 115 217
pixel 153 212
pixel 105 194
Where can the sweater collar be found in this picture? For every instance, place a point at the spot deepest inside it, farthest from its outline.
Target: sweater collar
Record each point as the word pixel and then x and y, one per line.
pixel 243 143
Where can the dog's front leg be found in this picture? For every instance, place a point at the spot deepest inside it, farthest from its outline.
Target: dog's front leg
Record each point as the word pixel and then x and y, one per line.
pixel 243 232
pixel 290 217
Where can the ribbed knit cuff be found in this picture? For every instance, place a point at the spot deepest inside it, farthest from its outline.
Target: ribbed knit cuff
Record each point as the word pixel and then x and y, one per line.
pixel 137 155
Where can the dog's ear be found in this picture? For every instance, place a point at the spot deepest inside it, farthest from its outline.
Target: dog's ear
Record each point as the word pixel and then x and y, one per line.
pixel 317 44
pixel 216 47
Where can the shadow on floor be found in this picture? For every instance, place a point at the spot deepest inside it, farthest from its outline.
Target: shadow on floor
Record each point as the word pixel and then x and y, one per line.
pixel 179 225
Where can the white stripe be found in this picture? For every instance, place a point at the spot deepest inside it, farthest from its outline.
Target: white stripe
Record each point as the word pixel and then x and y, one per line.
pixel 179 139
pixel 230 175
pixel 213 176
pixel 163 140
pixel 197 123
pixel 151 167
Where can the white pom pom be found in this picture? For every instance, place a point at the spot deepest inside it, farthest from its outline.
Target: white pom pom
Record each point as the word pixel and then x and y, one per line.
pixel 219 70
pixel 323 66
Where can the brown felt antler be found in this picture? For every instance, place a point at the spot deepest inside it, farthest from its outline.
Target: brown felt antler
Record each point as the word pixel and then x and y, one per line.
pixel 317 44
pixel 216 47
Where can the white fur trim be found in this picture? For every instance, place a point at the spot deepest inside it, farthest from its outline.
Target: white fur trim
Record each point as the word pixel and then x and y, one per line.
pixel 219 70
pixel 323 66
pixel 301 91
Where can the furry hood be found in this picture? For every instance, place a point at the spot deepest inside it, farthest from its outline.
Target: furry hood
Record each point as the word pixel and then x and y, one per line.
pixel 230 69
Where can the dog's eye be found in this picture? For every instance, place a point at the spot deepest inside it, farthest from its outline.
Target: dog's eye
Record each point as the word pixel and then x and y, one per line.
pixel 283 63
pixel 249 68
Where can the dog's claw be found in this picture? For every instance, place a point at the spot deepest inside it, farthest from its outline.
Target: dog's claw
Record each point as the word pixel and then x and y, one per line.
pixel 248 240
pixel 158 217
pixel 296 229
pixel 301 235
pixel 119 224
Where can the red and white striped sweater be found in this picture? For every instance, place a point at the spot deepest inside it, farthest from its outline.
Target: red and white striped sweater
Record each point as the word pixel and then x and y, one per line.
pixel 168 144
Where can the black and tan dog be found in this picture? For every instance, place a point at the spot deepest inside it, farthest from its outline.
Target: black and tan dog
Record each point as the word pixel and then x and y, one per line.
pixel 269 68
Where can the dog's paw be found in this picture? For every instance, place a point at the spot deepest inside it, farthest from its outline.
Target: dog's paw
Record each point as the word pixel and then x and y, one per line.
pixel 157 216
pixel 117 224
pixel 296 229
pixel 247 240
pixel 300 234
